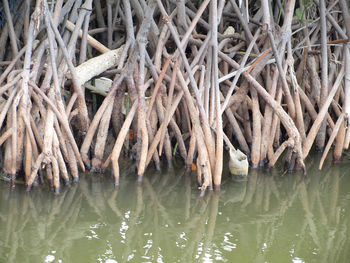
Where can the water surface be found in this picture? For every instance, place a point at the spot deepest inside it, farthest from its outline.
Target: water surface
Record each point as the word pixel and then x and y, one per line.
pixel 271 217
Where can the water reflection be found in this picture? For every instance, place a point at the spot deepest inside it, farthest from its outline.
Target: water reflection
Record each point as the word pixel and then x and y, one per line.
pixel 267 218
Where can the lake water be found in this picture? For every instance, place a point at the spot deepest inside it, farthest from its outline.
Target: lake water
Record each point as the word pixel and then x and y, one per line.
pixel 271 217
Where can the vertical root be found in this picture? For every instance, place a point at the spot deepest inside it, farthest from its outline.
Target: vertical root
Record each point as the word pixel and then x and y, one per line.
pixel 102 137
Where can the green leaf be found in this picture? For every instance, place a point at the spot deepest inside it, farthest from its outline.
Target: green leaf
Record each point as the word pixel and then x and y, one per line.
pixel 299 14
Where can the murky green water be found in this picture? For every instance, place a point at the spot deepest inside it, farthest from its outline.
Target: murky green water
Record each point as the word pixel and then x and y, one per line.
pixel 269 218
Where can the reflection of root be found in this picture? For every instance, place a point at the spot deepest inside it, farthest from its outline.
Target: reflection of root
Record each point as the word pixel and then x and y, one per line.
pixel 139 178
pixel 239 178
